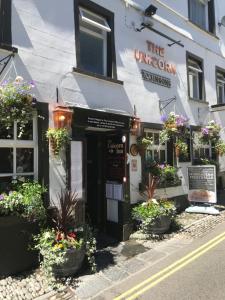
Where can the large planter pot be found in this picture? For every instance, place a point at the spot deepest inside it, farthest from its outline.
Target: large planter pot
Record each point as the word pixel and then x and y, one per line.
pixel 160 225
pixel 16 236
pixel 74 260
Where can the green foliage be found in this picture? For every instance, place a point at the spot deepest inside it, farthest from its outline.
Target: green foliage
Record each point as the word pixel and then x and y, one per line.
pixel 25 202
pixel 16 103
pixel 148 212
pixel 144 141
pixel 54 243
pixel 182 147
pixel 58 137
pixel 220 147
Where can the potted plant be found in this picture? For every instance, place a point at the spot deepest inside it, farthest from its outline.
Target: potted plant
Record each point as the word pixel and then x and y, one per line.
pixel 58 138
pixel 64 245
pixel 181 148
pixel 16 103
pixel 21 212
pixel 143 143
pixel 155 217
pixel 220 147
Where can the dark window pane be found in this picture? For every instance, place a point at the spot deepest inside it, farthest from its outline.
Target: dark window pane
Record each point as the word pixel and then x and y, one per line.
pixel 156 155
pixel 91 53
pixel 24 160
pixel 207 152
pixel 156 139
pixel 27 133
pixel 162 156
pixel 6 132
pixel 202 152
pixel 196 153
pixel 5 184
pixel 6 160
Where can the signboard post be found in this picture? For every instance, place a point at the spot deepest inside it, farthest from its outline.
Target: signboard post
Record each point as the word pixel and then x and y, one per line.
pixel 202 189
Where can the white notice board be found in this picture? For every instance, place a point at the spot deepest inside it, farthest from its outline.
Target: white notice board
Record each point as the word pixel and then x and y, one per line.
pixel 77 168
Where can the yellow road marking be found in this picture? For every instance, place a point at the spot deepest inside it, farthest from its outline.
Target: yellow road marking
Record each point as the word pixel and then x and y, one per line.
pixel 148 287
pixel 167 269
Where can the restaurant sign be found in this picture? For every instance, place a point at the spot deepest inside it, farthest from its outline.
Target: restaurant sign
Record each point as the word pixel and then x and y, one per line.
pixel 202 184
pixel 155 78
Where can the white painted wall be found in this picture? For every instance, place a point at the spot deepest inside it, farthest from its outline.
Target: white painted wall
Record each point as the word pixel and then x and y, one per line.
pixel 44 33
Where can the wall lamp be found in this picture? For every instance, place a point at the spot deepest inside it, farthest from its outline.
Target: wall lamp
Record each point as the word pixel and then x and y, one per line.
pixel 150 11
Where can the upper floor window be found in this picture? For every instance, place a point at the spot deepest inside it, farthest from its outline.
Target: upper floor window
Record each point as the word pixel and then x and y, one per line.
pixel 5 23
pixel 195 78
pixel 220 86
pixel 201 12
pixel 94 39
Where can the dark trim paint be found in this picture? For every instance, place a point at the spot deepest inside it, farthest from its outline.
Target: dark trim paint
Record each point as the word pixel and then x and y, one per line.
pixel 111 55
pixel 5 23
pixel 195 57
pixel 43 148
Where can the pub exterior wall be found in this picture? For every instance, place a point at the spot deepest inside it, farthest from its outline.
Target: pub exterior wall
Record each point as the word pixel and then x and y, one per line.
pixel 45 38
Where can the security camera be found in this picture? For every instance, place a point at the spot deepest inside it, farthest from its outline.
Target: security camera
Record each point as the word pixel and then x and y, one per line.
pixel 150 11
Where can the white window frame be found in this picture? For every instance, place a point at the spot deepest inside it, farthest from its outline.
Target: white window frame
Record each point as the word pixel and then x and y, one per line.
pixel 205 3
pixel 154 147
pixel 198 146
pixel 220 83
pixel 15 144
pixel 193 71
pixel 105 28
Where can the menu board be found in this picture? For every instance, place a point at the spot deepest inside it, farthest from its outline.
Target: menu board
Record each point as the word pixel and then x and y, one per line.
pixel 202 184
pixel 115 159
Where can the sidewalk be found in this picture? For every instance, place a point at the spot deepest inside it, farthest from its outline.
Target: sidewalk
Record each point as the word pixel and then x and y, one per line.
pixel 115 262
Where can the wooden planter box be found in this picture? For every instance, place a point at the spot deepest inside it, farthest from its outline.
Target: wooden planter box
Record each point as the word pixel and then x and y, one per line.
pixel 16 236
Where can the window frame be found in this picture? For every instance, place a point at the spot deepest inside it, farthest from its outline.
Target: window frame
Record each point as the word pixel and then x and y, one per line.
pixel 109 17
pixel 201 87
pixel 210 17
pixel 219 70
pixel 16 143
pixel 202 146
pixel 154 147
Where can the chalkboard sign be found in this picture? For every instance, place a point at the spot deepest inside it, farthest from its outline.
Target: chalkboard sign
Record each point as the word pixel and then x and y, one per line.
pixel 202 184
pixel 115 159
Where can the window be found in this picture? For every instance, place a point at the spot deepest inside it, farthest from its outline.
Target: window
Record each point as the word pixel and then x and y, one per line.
pixel 18 155
pixel 201 12
pixel 195 78
pixel 200 151
pixel 154 151
pixel 220 86
pixel 94 29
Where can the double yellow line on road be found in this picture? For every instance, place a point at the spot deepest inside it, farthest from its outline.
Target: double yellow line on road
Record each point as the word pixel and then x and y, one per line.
pixel 147 284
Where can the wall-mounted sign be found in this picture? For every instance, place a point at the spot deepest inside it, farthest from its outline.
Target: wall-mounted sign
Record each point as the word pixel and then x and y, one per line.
pixel 99 119
pixel 202 184
pixel 155 78
pixel 158 61
pixel 115 159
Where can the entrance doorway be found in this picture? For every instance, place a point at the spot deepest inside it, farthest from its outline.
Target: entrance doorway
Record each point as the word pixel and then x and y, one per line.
pixel 95 205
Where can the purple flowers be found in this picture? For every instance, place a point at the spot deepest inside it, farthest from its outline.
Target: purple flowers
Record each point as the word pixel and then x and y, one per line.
pixel 205 131
pixel 163 118
pixel 1 197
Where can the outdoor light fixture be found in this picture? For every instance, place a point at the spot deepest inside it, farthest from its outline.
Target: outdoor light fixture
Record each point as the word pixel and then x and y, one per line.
pixel 150 11
pixel 135 126
pixel 62 117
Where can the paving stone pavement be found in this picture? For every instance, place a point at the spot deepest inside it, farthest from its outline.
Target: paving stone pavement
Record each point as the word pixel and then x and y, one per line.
pixel 115 263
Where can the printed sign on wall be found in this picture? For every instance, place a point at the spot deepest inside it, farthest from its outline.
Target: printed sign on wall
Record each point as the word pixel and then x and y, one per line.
pixel 202 184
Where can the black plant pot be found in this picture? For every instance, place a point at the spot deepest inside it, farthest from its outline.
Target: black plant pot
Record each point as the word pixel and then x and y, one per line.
pixel 16 237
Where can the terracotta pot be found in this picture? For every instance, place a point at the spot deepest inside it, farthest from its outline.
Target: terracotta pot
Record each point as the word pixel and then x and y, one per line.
pixel 177 151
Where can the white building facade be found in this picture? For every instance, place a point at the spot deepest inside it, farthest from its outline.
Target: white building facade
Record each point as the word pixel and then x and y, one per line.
pixel 109 60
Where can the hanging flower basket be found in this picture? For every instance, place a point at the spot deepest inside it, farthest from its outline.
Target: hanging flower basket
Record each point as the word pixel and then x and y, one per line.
pixel 16 103
pixel 210 133
pixel 58 138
